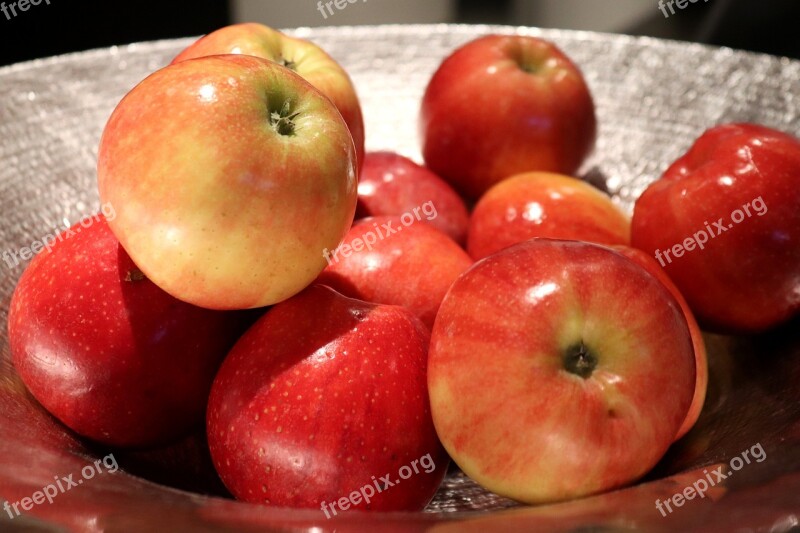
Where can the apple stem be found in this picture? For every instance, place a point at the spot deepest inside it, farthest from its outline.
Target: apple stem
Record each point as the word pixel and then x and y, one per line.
pixel 579 360
pixel 291 65
pixel 282 121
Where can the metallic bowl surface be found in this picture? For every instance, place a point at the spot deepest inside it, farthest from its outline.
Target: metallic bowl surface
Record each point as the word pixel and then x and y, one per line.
pixel 653 98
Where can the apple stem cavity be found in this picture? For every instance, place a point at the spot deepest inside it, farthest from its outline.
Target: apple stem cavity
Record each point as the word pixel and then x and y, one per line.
pixel 283 121
pixel 288 63
pixel 579 360
pixel 529 68
pixel 529 65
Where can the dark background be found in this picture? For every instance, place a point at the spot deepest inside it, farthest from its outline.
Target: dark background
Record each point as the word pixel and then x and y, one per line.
pixel 73 25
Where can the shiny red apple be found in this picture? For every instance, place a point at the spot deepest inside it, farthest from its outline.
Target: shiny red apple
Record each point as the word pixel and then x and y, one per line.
pixel 393 185
pixel 323 404
pixel 502 105
pixel 106 351
pixel 559 369
pixel 542 204
pixel 396 261
pixel 724 222
pixel 300 55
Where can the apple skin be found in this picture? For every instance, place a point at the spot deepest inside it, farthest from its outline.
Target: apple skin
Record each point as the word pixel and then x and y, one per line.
pixel 107 352
pixel 542 204
pixel 502 105
pixel 321 394
pixel 412 267
pixel 391 185
pixel 300 55
pixel 219 202
pixel 700 355
pixel 747 279
pixel 507 400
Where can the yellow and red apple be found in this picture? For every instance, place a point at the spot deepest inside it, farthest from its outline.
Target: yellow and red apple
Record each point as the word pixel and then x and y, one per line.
pixel 305 58
pixel 230 175
pixel 559 369
pixel 700 355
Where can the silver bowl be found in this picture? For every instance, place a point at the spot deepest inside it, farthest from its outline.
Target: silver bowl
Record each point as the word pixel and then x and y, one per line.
pixel 653 97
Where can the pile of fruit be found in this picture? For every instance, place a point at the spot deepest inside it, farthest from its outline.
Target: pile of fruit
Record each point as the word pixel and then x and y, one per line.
pixel 344 323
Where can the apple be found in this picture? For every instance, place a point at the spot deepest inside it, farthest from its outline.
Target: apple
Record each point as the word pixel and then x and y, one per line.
pixel 558 369
pixel 229 176
pixel 724 222
pixel 542 204
pixel 107 352
pixel 300 55
pixel 396 261
pixel 700 355
pixel 502 105
pixel 392 185
pixel 321 403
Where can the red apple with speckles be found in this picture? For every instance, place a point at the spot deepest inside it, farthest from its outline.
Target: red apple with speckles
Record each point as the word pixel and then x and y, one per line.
pixel 724 222
pixel 502 105
pixel 396 261
pixel 700 356
pixel 322 398
pixel 541 204
pixel 300 55
pixel 106 351
pixel 559 369
pixel 392 185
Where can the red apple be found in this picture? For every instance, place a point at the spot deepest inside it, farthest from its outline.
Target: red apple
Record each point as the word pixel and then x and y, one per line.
pixel 321 402
pixel 396 261
pixel 724 222
pixel 229 176
pixel 502 105
pixel 541 204
pixel 700 356
pixel 393 185
pixel 106 351
pixel 558 369
pixel 302 56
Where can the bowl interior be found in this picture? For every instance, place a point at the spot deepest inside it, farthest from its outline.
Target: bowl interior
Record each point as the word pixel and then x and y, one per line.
pixel 653 98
